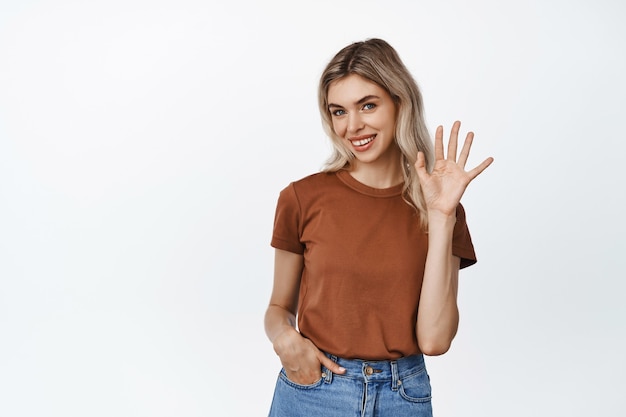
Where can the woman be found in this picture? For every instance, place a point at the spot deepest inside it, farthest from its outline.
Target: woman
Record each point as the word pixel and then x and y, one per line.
pixel 368 251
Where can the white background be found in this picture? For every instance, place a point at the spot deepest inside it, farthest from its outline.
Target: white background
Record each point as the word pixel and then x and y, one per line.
pixel 143 145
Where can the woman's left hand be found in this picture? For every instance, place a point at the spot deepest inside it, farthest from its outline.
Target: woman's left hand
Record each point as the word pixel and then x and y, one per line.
pixel 445 185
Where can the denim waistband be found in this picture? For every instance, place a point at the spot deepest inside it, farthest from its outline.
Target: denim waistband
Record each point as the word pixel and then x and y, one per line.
pixel 387 370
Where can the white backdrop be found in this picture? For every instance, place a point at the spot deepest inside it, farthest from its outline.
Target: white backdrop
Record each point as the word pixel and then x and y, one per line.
pixel 143 145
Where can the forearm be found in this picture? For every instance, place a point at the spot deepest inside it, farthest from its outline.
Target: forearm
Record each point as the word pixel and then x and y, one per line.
pixel 438 314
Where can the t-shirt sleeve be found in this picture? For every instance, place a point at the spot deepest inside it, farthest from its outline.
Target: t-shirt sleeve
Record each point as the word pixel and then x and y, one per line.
pixel 287 222
pixel 462 241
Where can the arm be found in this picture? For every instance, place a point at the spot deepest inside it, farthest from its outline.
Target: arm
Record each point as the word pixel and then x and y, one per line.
pixel 438 315
pixel 298 355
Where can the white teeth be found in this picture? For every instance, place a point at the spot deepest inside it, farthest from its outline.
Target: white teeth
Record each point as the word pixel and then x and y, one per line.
pixel 362 141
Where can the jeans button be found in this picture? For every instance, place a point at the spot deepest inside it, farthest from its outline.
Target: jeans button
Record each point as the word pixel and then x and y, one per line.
pixel 369 370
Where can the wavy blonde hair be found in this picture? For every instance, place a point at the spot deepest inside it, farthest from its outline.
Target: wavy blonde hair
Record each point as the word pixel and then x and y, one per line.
pixel 376 61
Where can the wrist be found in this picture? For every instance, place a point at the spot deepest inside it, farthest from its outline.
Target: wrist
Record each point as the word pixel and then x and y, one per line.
pixel 284 339
pixel 440 217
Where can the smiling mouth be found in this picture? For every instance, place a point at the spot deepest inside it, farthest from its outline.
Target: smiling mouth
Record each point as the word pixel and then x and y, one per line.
pixel 362 142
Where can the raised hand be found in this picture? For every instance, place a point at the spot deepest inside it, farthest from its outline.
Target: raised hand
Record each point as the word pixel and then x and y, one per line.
pixel 445 185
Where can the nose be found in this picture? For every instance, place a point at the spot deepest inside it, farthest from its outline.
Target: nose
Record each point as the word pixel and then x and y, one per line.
pixel 355 122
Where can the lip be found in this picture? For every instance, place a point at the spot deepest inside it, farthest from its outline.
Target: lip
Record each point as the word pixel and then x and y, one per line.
pixel 357 138
pixel 364 147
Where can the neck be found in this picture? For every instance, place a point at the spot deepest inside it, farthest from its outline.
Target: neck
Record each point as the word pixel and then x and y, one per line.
pixel 382 175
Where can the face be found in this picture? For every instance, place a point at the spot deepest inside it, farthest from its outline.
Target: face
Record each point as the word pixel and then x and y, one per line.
pixel 364 117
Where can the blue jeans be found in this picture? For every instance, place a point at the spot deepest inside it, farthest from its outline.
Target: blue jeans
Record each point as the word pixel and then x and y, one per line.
pixel 395 388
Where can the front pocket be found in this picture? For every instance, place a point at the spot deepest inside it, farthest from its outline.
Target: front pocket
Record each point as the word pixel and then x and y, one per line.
pixel 416 388
pixel 283 377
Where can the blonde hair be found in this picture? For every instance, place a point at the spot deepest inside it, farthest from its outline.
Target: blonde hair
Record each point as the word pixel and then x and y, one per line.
pixel 376 61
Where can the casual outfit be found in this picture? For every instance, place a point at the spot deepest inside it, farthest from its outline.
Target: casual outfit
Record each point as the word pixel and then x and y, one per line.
pixel 364 255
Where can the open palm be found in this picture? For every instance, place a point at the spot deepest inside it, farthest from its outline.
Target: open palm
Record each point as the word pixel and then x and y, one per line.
pixel 445 185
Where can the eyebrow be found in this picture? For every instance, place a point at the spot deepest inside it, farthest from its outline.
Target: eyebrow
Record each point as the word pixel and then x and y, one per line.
pixel 361 101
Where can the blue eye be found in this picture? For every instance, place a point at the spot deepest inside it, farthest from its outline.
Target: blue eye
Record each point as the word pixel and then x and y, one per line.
pixel 338 112
pixel 369 106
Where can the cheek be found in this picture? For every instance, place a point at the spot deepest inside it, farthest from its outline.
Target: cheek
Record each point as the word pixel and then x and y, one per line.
pixel 339 128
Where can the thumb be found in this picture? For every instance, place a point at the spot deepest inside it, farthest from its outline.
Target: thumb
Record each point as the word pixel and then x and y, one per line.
pixel 421 161
pixel 420 166
pixel 330 365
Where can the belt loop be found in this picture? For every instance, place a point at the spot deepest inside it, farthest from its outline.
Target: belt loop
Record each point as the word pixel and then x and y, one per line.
pixel 394 376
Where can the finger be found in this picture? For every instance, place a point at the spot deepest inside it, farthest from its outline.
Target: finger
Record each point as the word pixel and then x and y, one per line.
pixel 480 168
pixel 453 141
pixel 439 143
pixel 469 139
pixel 330 365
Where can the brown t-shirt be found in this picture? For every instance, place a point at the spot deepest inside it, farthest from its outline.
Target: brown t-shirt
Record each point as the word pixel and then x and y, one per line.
pixel 364 255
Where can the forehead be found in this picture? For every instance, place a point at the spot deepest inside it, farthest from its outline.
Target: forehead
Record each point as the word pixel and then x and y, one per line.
pixel 352 88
